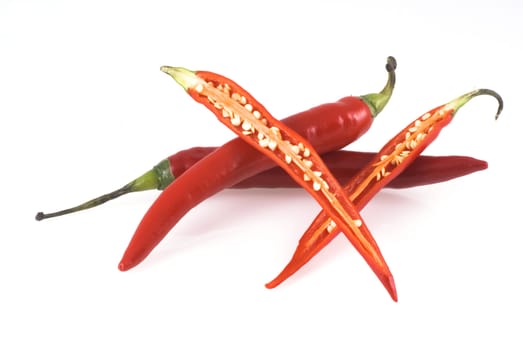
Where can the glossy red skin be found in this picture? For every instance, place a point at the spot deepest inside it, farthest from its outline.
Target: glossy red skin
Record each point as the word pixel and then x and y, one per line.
pixel 327 127
pixel 425 170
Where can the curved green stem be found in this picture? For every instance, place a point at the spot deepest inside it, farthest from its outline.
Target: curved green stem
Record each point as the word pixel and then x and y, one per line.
pixel 378 101
pixel 89 204
pixel 156 178
pixel 463 99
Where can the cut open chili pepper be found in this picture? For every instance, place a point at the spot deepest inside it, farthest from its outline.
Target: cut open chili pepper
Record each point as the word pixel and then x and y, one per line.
pixel 343 164
pixel 392 159
pixel 246 117
pixel 327 127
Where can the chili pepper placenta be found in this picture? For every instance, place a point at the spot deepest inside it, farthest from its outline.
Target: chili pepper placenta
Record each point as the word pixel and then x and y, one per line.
pixel 247 118
pixel 425 170
pixel 392 159
pixel 327 127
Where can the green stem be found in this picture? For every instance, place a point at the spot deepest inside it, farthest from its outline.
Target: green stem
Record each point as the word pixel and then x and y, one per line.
pixel 156 178
pixel 378 101
pixel 463 99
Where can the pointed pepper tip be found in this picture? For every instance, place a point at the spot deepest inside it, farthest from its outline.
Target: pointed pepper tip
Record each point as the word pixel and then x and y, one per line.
pixel 122 266
pixel 390 285
pixel 273 284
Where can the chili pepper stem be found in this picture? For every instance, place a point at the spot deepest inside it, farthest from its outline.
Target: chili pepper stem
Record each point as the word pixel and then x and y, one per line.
pixel 183 76
pixel 378 101
pixel 463 99
pixel 89 204
pixel 156 178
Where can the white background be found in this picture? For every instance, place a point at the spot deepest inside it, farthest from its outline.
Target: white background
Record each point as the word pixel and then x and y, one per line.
pixel 85 108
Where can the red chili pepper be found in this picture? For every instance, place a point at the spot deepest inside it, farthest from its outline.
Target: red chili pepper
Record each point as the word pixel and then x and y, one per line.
pixel 328 127
pixel 425 170
pixel 246 117
pixel 392 159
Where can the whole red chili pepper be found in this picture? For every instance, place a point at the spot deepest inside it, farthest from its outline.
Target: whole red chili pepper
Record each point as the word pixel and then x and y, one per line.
pixel 344 164
pixel 392 159
pixel 328 127
pixel 425 170
pixel 247 118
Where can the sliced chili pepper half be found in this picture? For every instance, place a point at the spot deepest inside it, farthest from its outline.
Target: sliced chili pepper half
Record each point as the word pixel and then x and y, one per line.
pixel 389 162
pixel 249 119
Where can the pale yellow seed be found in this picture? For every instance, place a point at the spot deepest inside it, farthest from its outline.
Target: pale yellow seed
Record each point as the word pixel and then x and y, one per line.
pixel 273 144
pixel 243 100
pixel 413 129
pixel 248 107
pixel 417 123
pixel 226 113
pixel 235 120
pixel 425 116
pixel 199 88
pixel 276 132
pixel 218 105
pixel 384 157
pixel 306 152
pixel 263 142
pixel 256 114
pixel 295 149
pixel 317 173
pixel 288 159
pixel 246 125
pixel 247 132
pixel 358 222
pixel 235 96
pixel 316 186
pixel 407 135
pixel 306 177
pixel 308 163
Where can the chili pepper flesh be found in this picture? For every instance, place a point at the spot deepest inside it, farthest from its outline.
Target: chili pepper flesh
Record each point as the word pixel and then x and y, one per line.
pixel 328 127
pixel 397 154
